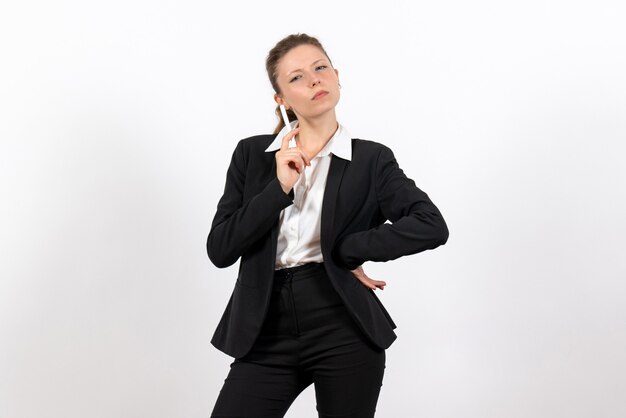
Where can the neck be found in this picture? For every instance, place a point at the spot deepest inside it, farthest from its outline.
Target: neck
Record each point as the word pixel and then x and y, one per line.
pixel 316 132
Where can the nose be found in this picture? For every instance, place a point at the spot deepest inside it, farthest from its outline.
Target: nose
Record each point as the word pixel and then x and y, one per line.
pixel 315 82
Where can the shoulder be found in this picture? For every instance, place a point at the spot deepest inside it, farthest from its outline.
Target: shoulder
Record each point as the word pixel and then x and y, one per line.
pixel 256 142
pixel 254 146
pixel 365 148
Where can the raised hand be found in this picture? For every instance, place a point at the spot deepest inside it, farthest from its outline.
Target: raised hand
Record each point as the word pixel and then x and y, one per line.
pixel 290 162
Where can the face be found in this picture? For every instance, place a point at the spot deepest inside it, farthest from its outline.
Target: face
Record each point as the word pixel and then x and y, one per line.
pixel 302 73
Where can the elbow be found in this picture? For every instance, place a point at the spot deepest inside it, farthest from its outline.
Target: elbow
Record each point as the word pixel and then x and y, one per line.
pixel 444 234
pixel 219 258
pixel 438 232
pixel 218 262
pixel 435 232
pixel 441 232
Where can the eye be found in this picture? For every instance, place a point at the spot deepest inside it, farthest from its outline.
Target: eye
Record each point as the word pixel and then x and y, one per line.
pixel 316 68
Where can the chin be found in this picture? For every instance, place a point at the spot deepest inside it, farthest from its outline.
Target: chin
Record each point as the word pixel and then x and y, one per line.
pixel 320 113
pixel 328 106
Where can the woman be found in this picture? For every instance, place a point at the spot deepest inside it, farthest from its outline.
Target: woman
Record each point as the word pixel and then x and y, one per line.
pixel 303 219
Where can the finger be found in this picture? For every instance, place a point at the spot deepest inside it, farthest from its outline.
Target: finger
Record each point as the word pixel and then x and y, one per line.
pixel 368 285
pixel 296 165
pixel 306 158
pixel 374 284
pixel 300 153
pixel 298 160
pixel 298 157
pixel 285 143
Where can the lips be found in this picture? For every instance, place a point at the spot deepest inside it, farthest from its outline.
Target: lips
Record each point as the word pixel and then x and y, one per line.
pixel 319 94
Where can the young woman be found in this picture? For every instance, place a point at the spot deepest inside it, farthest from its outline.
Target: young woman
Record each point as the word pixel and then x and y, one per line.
pixel 304 208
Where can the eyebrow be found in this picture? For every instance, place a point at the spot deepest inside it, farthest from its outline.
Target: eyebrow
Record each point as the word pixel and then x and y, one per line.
pixel 300 69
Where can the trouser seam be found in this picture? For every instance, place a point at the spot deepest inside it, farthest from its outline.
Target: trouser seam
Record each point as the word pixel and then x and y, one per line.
pixel 293 303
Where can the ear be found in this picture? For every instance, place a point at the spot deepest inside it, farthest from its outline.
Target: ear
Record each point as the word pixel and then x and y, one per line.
pixel 337 74
pixel 280 101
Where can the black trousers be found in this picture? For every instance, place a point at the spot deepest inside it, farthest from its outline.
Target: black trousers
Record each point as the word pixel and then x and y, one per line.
pixel 308 337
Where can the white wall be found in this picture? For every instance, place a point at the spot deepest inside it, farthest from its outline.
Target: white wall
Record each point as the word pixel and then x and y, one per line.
pixel 117 123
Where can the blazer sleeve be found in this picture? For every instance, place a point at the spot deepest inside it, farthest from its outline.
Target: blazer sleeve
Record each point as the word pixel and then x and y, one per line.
pixel 238 224
pixel 417 224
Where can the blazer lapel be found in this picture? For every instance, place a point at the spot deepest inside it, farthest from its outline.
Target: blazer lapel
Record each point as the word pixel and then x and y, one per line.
pixel 329 203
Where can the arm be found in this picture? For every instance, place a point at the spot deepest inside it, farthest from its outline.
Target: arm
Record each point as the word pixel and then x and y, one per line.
pixel 417 223
pixel 237 225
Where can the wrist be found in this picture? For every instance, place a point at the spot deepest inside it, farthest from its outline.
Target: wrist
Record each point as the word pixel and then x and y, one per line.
pixel 285 188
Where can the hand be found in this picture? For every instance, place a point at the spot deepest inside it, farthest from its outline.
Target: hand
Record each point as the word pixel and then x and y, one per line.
pixel 366 281
pixel 290 162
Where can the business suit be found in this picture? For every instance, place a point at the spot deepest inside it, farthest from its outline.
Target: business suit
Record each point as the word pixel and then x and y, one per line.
pixel 360 195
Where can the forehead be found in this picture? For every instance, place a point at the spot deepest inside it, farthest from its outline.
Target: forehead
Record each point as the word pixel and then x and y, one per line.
pixel 299 57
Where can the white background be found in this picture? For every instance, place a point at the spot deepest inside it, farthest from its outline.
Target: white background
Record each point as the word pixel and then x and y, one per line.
pixel 117 123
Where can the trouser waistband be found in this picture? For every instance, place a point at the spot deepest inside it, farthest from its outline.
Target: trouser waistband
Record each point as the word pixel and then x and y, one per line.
pixel 299 272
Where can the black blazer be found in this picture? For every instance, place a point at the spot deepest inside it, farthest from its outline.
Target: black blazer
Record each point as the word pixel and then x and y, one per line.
pixel 360 195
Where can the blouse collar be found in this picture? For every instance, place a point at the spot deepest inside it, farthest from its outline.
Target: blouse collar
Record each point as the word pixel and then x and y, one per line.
pixel 340 144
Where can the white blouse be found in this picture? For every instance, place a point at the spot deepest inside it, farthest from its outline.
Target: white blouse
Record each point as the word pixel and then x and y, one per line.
pixel 299 223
